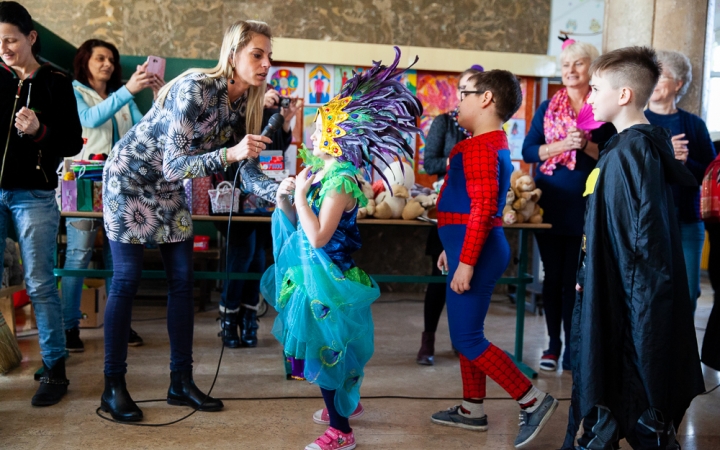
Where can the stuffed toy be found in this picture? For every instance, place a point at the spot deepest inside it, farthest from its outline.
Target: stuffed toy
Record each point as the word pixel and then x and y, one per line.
pixel 369 209
pixel 509 215
pixel 526 197
pixel 396 175
pixel 390 204
pixel 419 205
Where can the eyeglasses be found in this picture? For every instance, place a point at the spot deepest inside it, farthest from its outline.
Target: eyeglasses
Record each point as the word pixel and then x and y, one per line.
pixel 464 94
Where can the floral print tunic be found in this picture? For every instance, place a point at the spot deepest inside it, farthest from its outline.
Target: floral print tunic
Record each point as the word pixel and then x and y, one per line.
pixel 143 193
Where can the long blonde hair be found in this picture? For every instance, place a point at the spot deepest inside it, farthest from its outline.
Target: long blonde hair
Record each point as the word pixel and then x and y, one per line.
pixel 237 37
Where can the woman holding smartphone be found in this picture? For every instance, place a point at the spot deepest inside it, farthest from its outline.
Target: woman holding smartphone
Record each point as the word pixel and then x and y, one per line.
pixel 203 121
pixel 107 111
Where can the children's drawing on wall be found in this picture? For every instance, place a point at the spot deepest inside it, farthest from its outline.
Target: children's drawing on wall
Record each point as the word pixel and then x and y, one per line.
pixel 515 130
pixel 288 81
pixel 409 79
pixel 344 73
pixel 437 92
pixel 576 16
pixel 319 86
pixel 309 113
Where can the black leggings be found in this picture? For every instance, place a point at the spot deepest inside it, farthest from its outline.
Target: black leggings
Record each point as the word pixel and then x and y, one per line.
pixel 435 294
pixel 560 259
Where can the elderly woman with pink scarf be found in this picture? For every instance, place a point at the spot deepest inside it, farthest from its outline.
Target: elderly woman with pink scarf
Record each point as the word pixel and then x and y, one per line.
pixel 563 141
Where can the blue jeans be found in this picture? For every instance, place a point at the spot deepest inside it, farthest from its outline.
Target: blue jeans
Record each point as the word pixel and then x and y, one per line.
pixel 36 218
pixel 81 234
pixel 246 254
pixel 693 239
pixel 127 266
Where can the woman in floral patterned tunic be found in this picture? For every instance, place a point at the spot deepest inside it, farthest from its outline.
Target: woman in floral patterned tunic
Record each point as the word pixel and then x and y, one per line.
pixel 203 121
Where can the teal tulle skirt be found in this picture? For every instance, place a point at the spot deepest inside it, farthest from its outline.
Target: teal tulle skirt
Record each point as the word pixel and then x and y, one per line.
pixel 324 315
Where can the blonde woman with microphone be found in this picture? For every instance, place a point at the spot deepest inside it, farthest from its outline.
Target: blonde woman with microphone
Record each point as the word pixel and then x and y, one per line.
pixel 203 121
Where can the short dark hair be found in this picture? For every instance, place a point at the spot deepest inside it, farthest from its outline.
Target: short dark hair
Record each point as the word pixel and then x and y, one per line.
pixel 505 88
pixel 83 55
pixel 635 67
pixel 15 14
pixel 475 68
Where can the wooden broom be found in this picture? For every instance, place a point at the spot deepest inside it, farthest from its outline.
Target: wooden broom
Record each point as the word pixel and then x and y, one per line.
pixel 10 355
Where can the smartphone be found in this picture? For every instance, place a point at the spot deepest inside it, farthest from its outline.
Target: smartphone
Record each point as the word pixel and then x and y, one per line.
pixel 156 65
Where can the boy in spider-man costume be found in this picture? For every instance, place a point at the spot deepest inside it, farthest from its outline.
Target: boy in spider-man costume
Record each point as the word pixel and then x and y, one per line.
pixel 477 253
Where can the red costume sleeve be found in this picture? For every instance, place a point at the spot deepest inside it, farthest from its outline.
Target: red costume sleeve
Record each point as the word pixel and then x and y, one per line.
pixel 480 164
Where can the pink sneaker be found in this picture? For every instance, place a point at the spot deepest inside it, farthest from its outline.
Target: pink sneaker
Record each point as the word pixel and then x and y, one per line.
pixel 322 417
pixel 333 440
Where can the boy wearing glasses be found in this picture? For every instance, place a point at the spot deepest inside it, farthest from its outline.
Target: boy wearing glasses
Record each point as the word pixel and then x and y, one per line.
pixel 636 367
pixel 476 254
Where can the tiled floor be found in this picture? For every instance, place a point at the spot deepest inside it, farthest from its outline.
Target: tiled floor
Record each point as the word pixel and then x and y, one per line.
pixel 264 411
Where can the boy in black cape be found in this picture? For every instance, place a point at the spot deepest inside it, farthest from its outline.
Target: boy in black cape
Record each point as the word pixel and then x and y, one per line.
pixel 636 366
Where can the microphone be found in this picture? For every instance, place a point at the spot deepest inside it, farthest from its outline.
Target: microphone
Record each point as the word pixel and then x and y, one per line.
pixel 276 121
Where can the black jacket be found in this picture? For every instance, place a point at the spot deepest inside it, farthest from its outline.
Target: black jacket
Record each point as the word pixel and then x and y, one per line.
pixel 441 138
pixel 51 97
pixel 633 335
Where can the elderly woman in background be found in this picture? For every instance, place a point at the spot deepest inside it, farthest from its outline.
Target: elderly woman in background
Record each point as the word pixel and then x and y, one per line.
pixel 560 140
pixel 693 146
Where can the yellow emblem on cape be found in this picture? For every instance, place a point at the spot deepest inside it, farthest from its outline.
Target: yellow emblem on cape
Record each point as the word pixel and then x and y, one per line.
pixel 332 115
pixel 591 182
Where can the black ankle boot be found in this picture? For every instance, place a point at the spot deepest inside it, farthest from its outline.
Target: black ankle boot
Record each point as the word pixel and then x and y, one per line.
pixel 229 329
pixel 53 385
pixel 426 354
pixel 249 328
pixel 117 401
pixel 183 392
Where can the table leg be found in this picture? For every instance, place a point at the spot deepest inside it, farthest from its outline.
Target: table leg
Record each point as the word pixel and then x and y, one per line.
pixel 520 305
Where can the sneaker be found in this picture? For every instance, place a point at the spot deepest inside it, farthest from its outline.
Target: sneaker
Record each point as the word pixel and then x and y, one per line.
pixel 333 440
pixel 549 362
pixel 452 418
pixel 322 417
pixel 73 342
pixel 532 423
pixel 135 339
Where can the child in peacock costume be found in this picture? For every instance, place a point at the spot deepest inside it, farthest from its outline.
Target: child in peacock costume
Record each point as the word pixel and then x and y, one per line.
pixel 323 299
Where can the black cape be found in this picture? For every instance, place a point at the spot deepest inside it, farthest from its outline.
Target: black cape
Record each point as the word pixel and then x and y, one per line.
pixel 633 335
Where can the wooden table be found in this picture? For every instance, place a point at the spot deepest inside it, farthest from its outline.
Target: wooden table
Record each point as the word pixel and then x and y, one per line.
pixel 521 280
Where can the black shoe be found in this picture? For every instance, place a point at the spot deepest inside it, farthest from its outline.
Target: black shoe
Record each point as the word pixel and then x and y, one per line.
pixel 229 329
pixel 183 392
pixel 249 328
pixel 73 342
pixel 135 339
pixel 425 356
pixel 53 385
pixel 117 401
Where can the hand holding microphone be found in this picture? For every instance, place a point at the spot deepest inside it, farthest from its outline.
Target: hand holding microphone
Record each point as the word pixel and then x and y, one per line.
pixel 252 144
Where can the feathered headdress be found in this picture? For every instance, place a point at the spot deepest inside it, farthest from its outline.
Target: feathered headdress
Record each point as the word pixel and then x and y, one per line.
pixel 367 118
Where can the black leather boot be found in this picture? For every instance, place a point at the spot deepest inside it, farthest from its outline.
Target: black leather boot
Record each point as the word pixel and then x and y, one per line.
pixel 229 329
pixel 426 355
pixel 117 401
pixel 249 328
pixel 53 385
pixel 183 392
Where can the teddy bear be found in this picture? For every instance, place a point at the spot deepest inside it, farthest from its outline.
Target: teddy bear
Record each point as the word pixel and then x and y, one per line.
pixel 526 196
pixel 369 209
pixel 509 215
pixel 390 204
pixel 418 205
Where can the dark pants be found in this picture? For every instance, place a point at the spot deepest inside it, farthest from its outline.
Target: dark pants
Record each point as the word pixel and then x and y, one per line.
pixel 435 294
pixel 711 341
pixel 246 253
pixel 560 259
pixel 127 265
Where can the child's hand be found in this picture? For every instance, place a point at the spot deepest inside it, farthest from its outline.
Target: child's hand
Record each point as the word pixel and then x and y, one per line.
pixel 303 183
pixel 461 281
pixel 286 189
pixel 442 263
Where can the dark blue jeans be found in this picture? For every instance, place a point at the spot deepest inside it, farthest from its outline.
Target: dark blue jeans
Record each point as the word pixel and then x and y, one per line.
pixel 127 265
pixel 246 254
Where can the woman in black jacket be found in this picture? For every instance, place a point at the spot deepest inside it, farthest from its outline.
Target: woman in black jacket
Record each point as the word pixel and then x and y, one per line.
pixel 40 125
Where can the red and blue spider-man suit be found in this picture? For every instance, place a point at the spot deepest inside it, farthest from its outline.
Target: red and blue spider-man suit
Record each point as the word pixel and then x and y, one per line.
pixel 470 226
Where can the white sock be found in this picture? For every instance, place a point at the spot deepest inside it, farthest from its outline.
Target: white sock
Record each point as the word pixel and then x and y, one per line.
pixel 471 410
pixel 229 311
pixel 533 399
